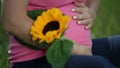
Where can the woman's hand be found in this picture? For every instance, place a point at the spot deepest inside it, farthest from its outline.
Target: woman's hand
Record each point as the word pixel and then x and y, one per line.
pixel 81 50
pixel 85 17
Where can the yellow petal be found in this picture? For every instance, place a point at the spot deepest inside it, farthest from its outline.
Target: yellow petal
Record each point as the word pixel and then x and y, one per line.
pixel 42 20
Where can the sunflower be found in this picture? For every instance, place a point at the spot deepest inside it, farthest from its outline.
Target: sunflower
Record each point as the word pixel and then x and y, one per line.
pixel 49 26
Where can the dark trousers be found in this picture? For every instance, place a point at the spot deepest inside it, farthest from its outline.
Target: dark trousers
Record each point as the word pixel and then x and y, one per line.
pixel 75 61
pixel 109 48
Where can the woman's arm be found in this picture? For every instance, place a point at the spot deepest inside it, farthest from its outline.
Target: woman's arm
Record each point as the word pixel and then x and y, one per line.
pixel 87 15
pixel 15 20
pixel 93 6
pixel 81 50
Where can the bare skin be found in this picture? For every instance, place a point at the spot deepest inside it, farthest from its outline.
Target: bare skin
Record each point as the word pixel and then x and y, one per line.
pixel 87 12
pixel 87 16
pixel 15 21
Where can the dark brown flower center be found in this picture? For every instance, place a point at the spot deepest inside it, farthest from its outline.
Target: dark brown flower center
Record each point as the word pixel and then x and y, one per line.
pixel 53 25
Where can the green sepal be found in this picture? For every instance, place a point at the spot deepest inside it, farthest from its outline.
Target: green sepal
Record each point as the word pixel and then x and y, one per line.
pixel 59 52
pixel 35 13
pixel 43 45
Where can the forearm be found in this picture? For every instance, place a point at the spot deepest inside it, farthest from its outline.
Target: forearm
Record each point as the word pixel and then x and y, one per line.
pixel 93 6
pixel 15 19
pixel 81 50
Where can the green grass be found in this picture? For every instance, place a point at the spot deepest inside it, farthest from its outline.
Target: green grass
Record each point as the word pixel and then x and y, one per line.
pixel 106 24
pixel 108 18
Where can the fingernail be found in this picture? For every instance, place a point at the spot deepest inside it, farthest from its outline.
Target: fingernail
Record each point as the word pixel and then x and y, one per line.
pixel 79 22
pixel 74 17
pixel 72 9
pixel 86 27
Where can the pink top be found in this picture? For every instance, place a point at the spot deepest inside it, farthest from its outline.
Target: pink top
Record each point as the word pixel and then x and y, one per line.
pixel 20 53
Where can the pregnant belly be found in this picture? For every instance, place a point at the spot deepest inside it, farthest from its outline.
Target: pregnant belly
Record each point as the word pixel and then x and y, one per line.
pixel 76 32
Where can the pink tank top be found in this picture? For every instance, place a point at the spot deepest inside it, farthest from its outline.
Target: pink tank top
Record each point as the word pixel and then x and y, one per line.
pixel 77 33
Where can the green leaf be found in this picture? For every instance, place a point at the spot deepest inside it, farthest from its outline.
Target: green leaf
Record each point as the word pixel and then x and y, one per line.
pixel 59 52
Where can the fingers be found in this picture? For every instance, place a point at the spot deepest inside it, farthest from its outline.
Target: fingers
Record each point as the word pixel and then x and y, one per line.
pixel 80 9
pixel 82 16
pixel 88 22
pixel 88 26
pixel 85 17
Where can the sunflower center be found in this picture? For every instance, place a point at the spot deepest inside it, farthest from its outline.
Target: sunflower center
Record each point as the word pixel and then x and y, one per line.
pixel 53 25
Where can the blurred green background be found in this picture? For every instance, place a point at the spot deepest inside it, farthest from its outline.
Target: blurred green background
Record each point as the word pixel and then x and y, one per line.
pixel 107 24
pixel 3 47
pixel 108 19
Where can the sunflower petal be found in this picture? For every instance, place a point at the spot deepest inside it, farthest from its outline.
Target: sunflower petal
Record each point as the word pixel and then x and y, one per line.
pixel 42 20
